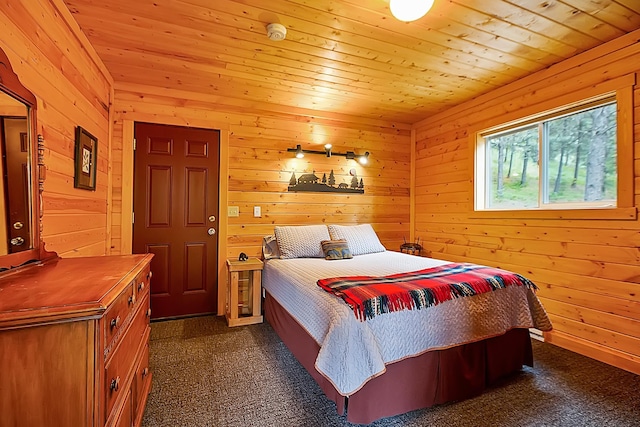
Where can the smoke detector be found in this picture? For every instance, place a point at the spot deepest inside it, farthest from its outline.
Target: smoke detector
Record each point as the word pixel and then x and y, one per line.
pixel 276 32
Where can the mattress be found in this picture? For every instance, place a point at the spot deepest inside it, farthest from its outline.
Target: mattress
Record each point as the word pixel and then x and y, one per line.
pixel 352 352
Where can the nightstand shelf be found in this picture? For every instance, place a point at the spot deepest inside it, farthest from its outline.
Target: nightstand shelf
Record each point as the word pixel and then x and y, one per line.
pixel 244 292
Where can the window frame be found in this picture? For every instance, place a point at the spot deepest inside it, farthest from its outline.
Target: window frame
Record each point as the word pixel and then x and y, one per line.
pixel 622 93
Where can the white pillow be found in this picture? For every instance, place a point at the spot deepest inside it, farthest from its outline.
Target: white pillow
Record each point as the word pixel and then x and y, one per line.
pixel 362 239
pixel 301 241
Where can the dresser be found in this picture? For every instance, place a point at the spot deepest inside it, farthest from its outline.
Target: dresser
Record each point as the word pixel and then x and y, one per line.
pixel 74 342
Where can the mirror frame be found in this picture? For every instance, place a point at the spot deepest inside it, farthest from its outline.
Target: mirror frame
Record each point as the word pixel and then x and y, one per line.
pixel 11 85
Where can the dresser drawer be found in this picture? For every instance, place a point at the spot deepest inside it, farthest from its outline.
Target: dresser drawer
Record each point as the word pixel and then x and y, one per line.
pixel 142 381
pixel 116 317
pixel 141 284
pixel 119 369
pixel 125 417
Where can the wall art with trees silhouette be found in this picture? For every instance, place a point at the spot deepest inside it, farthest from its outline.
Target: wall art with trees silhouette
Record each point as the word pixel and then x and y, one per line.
pixel 312 182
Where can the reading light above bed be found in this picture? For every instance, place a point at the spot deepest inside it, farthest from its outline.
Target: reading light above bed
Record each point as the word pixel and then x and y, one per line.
pixel 363 159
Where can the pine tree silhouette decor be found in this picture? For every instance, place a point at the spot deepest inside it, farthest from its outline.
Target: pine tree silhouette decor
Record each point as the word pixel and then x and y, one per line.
pixel 312 183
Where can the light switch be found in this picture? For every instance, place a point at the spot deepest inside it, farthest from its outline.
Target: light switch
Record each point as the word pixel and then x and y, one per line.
pixel 257 211
pixel 233 211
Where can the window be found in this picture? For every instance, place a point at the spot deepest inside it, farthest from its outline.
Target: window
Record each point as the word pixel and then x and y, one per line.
pixel 566 159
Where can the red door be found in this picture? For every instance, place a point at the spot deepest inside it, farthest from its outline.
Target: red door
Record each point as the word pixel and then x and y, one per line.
pixel 16 179
pixel 176 216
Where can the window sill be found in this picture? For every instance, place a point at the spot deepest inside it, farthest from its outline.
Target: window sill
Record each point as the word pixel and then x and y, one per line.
pixel 629 213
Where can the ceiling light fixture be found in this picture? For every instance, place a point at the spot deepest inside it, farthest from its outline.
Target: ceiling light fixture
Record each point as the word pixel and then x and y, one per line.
pixel 299 153
pixel 409 10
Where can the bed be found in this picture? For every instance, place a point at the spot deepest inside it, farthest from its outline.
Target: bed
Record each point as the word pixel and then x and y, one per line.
pixel 398 361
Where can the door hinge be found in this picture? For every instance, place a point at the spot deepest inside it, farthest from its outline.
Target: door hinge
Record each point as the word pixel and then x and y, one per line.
pixel 134 144
pixel 133 217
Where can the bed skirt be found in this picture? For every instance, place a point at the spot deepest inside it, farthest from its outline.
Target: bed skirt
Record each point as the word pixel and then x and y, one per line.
pixel 422 381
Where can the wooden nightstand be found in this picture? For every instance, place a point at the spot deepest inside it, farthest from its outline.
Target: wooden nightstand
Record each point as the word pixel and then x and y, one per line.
pixel 244 292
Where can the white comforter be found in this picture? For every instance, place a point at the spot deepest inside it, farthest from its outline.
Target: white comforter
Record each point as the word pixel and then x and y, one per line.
pixel 352 352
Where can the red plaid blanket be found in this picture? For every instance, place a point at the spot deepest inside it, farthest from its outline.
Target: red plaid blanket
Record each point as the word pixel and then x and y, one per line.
pixel 369 296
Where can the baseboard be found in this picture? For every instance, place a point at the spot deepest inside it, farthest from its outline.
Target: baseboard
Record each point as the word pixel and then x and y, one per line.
pixel 619 359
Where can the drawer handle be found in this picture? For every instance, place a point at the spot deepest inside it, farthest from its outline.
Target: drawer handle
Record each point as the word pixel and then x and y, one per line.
pixel 115 384
pixel 132 299
pixel 149 275
pixel 145 372
pixel 149 313
pixel 115 322
pixel 140 286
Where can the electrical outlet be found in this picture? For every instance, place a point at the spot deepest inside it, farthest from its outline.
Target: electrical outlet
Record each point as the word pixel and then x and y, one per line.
pixel 257 211
pixel 233 211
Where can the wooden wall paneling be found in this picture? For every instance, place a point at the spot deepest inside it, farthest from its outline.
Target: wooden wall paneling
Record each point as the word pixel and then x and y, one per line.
pixel 622 325
pixel 593 333
pixel 616 306
pixel 605 235
pixel 46 73
pixel 588 348
pixel 129 95
pixel 514 261
pixel 398 185
pixel 56 62
pixel 78 242
pixel 116 187
pixel 223 232
pixel 65 50
pixel 126 189
pixel 625 136
pixel 110 177
pixel 587 268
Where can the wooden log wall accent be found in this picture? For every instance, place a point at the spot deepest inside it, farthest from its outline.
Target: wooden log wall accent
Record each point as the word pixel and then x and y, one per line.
pixel 259 166
pixel 588 270
pixel 56 62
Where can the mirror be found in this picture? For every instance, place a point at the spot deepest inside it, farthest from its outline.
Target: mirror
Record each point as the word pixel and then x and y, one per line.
pixel 21 189
pixel 15 202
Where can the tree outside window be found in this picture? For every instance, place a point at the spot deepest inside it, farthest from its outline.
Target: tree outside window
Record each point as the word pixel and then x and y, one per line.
pixel 568 160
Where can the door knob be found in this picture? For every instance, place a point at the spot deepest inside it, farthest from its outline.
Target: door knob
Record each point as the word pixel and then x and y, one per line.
pixel 211 231
pixel 17 241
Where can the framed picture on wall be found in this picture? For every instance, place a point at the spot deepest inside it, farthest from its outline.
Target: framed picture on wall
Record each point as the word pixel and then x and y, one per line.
pixel 86 160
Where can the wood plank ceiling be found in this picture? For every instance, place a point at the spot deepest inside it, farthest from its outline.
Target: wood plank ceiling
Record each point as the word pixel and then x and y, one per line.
pixel 346 56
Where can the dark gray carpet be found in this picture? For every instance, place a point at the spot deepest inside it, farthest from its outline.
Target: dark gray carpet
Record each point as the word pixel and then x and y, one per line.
pixel 206 374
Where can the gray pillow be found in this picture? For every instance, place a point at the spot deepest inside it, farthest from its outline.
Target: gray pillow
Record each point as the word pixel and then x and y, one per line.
pixel 301 241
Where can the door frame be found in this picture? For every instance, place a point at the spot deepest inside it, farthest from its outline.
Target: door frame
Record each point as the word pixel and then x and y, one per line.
pixel 126 216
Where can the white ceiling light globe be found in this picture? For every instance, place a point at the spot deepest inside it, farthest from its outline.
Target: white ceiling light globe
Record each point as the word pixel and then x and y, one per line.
pixel 409 10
